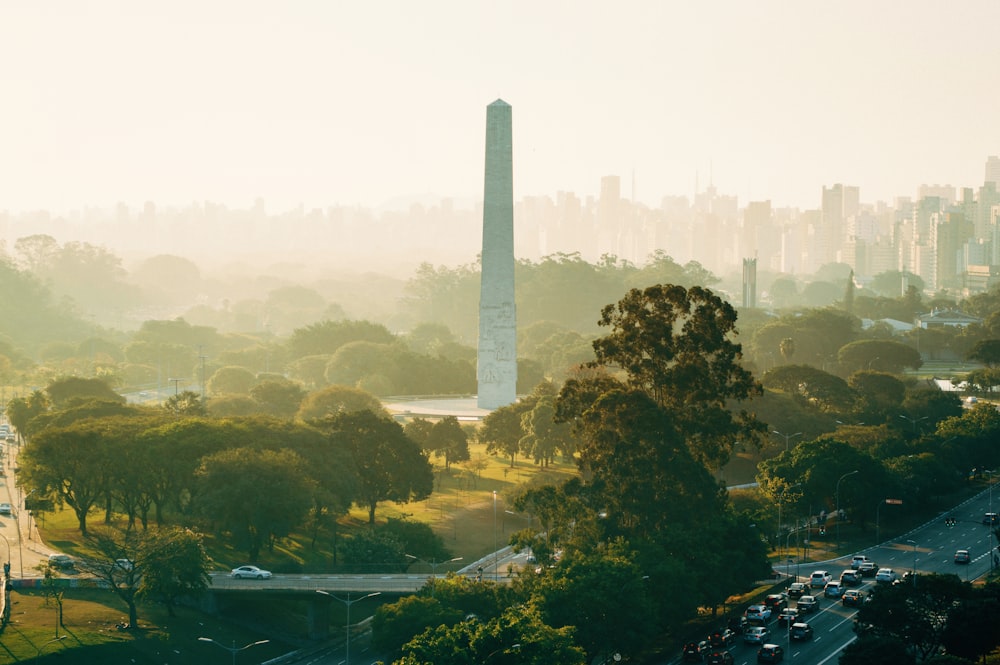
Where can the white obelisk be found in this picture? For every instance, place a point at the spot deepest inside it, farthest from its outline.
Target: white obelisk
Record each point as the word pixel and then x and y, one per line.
pixel 497 366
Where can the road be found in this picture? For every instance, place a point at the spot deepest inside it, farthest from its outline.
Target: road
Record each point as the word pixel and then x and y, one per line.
pixel 24 551
pixel 929 548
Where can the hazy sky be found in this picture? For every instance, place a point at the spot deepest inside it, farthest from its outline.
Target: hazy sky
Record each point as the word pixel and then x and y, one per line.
pixel 329 102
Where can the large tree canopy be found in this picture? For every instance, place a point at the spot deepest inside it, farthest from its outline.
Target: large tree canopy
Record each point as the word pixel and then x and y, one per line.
pixel 676 345
pixel 391 466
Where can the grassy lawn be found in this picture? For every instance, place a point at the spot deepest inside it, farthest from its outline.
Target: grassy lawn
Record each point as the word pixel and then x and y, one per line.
pixel 90 617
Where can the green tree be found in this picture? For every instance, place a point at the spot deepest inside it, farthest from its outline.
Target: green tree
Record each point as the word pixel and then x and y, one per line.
pixel 231 381
pixel 501 431
pixel 871 650
pixel 879 395
pixel 326 337
pixel 969 632
pixel 925 408
pixel 395 624
pixel 447 439
pixel 230 494
pixel 162 564
pixel 22 410
pixel 229 406
pixel 70 463
pixel 62 391
pixel 676 345
pixel 391 467
pixel 338 399
pixel 878 354
pixel 604 597
pixel 281 399
pixel 543 436
pixel 185 403
pixel 518 637
pixel 822 390
pixel 986 351
pixel 912 614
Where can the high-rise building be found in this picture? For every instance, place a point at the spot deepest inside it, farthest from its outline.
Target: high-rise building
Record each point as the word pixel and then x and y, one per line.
pixel 993 170
pixel 497 361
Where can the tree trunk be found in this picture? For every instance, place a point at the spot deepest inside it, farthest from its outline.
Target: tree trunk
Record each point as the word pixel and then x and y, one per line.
pixel 81 519
pixel 133 615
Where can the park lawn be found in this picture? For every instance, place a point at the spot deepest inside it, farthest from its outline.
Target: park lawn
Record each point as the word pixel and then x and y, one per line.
pixel 89 634
pixel 461 511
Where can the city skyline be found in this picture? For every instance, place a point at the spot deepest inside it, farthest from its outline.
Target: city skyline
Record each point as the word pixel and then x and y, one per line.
pixel 327 105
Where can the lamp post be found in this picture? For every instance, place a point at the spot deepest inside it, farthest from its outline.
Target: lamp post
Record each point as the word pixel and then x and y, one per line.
pixel 433 565
pixel 512 647
pixel 850 473
pixel 914 421
pixel 787 437
pixel 496 553
pixel 781 500
pixel 989 543
pixel 233 649
pixel 914 543
pixel 20 537
pixel 347 603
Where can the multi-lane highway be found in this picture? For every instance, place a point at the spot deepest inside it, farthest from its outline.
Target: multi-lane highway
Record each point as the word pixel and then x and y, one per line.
pixel 929 548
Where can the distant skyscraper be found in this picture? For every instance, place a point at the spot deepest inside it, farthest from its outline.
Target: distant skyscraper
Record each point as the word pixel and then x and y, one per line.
pixel 750 282
pixel 497 366
pixel 993 170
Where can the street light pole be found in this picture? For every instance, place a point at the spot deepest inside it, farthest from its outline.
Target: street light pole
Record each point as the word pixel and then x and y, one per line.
pixel 233 649
pixel 348 602
pixel 781 500
pixel 433 565
pixel 496 554
pixel 787 437
pixel 989 543
pixel 914 543
pixel 914 421
pixel 851 473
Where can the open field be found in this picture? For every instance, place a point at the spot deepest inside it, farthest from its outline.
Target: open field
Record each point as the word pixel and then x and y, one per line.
pixel 90 617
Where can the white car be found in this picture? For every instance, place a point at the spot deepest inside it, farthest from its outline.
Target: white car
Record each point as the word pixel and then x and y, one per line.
pixel 858 560
pixel 61 560
pixel 756 635
pixel 819 578
pixel 833 590
pixel 251 572
pixel 5 509
pixel 886 575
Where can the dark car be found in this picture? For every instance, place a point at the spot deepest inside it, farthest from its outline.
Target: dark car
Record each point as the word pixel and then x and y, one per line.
pixel 797 589
pixel 692 653
pixel 852 598
pixel 868 569
pixel 851 578
pixel 719 658
pixel 776 602
pixel 807 604
pixel 990 519
pixel 722 638
pixel 800 630
pixel 770 653
pixel 962 556
pixel 788 615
